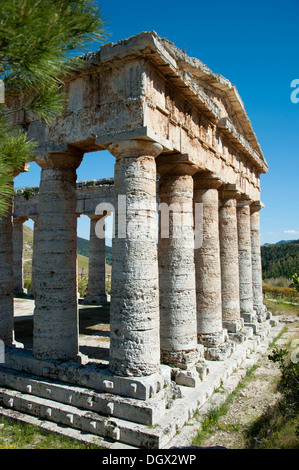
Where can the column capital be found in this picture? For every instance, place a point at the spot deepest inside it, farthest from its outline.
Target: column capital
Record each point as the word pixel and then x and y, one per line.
pixel 229 191
pixel 244 200
pixel 176 164
pixel 20 220
pixel 256 206
pixel 135 148
pixel 207 180
pixel 63 160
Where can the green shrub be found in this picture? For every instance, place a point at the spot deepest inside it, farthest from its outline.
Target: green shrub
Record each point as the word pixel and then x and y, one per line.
pixel 289 382
pixel 82 287
pixel 27 283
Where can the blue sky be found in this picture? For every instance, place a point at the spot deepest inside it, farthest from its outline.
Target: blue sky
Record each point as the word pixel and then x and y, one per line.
pixel 253 44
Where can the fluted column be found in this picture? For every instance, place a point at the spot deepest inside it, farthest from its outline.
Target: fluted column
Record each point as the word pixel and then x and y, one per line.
pixel 96 293
pixel 208 272
pixel 55 334
pixel 6 278
pixel 178 324
pixel 229 256
pixel 134 308
pixel 245 261
pixel 257 283
pixel 18 255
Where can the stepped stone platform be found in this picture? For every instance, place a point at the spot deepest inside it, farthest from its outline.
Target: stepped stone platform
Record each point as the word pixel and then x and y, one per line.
pixel 88 403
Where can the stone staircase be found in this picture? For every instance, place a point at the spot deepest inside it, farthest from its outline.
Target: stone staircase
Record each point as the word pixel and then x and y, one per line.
pixel 109 416
pixel 106 412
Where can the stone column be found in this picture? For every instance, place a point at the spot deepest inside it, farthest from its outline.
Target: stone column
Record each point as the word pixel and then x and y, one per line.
pixel 245 263
pixel 18 255
pixel 178 324
pixel 35 232
pixel 257 283
pixel 208 273
pixel 229 256
pixel 6 278
pixel 55 333
pixel 6 271
pixel 134 308
pixel 97 269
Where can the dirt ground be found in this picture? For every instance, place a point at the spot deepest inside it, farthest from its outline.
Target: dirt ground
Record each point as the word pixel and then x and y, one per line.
pixel 254 399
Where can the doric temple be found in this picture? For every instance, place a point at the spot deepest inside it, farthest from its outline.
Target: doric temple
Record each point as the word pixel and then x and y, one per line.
pixel 186 303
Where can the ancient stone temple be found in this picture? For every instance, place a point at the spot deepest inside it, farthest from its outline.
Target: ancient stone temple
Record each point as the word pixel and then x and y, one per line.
pixel 186 290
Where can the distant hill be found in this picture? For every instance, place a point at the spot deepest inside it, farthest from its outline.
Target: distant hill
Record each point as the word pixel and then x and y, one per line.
pixel 280 259
pixel 83 249
pixel 83 246
pixel 281 242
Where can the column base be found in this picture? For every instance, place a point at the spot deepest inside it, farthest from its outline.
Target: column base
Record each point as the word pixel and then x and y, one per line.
pixel 249 317
pixel 183 360
pixel 238 330
pixel 96 299
pixel 188 378
pixel 261 312
pixel 233 326
pixel 20 292
pixel 243 335
pixel 192 375
pixel 216 345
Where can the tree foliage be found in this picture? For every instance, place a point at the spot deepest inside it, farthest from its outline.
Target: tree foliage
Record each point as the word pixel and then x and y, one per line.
pixel 295 282
pixel 289 381
pixel 280 260
pixel 39 41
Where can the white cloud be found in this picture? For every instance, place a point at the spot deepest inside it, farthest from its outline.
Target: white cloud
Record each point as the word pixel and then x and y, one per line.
pixel 291 232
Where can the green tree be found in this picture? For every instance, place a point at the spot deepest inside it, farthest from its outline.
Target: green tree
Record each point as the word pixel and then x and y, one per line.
pixel 39 41
pixel 295 282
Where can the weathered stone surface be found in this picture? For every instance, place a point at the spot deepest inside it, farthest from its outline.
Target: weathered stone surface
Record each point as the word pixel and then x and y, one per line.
pixel 207 259
pixel 228 237
pixel 178 324
pixel 134 310
pixel 56 307
pixel 208 270
pixel 34 255
pixel 245 258
pixel 18 255
pixel 257 283
pixel 6 278
pixel 96 293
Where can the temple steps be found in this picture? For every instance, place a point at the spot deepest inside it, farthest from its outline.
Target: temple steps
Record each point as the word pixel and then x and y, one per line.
pixel 112 420
pixel 106 404
pixel 73 417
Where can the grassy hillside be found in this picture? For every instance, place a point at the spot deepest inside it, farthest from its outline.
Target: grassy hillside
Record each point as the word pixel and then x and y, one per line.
pixel 83 249
pixel 27 235
pixel 280 259
pixel 83 246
